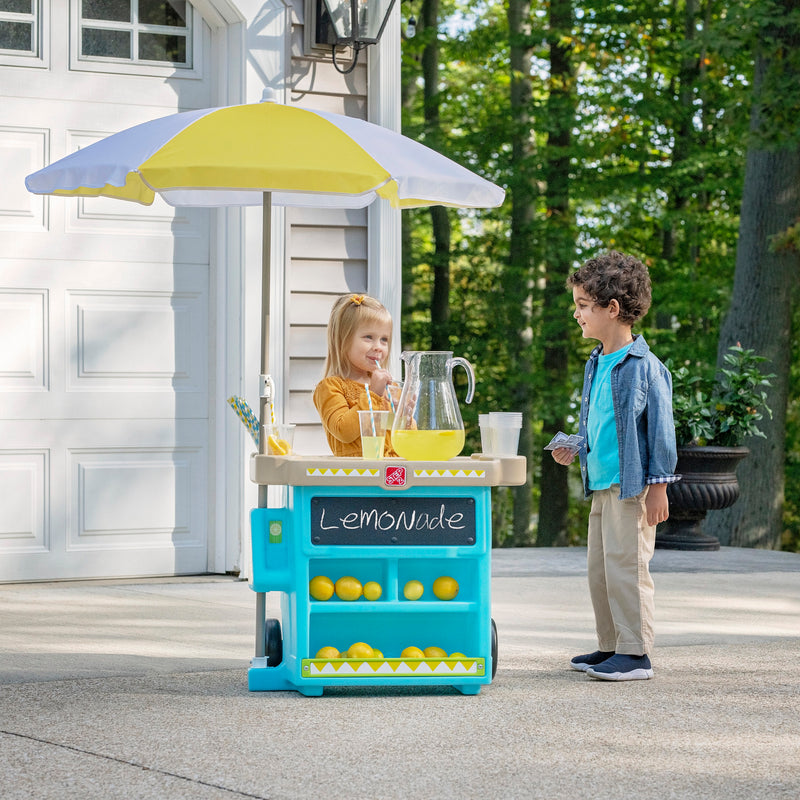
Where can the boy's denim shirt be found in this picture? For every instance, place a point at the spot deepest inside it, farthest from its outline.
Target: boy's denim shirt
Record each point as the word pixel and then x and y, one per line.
pixel 641 388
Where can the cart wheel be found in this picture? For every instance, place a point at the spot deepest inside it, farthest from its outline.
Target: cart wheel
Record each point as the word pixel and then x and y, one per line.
pixel 494 649
pixel 274 642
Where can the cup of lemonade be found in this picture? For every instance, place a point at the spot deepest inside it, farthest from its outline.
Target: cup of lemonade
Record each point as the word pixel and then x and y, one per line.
pixel 374 425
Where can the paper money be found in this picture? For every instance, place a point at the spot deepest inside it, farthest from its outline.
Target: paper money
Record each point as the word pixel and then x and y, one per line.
pixel 572 442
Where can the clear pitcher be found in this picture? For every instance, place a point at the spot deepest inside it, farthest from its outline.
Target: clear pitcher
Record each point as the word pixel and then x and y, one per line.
pixel 427 424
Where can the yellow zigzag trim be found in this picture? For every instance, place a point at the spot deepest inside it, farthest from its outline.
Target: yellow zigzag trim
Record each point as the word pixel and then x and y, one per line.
pixel 393 667
pixel 350 472
pixel 449 473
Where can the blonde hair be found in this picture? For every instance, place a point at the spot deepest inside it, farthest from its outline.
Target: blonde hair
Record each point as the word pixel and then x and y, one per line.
pixel 349 313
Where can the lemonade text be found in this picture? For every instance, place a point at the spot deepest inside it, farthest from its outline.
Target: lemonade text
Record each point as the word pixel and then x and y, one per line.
pixel 403 520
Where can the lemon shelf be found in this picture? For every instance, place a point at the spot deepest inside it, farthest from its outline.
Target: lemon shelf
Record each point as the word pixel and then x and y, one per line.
pixel 390 533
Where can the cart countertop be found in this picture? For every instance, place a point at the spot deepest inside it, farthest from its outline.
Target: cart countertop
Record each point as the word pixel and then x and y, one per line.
pixel 390 473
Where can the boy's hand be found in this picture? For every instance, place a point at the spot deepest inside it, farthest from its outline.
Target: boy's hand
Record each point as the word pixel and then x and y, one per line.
pixel 564 455
pixel 656 505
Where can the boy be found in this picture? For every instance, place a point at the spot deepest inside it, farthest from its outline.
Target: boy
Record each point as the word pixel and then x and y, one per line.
pixel 629 458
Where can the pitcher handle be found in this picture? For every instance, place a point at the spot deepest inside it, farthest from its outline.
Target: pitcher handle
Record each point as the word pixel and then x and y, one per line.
pixel 470 374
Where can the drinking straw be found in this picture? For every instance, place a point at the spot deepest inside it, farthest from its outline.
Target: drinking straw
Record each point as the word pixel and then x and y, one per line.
pixel 246 415
pixel 371 413
pixel 388 390
pixel 271 400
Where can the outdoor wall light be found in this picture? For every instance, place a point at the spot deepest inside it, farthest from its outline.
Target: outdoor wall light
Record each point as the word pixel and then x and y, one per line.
pixel 357 24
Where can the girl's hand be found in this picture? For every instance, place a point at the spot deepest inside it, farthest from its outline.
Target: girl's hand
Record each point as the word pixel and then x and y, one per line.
pixel 394 392
pixel 564 455
pixel 379 380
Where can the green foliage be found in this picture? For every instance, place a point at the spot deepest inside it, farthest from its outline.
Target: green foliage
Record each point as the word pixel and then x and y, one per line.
pixel 723 412
pixel 655 164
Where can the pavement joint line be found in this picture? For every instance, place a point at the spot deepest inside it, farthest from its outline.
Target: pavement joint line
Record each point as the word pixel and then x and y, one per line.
pixel 125 762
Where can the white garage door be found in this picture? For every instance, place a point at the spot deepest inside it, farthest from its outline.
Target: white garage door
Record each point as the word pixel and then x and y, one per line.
pixel 105 347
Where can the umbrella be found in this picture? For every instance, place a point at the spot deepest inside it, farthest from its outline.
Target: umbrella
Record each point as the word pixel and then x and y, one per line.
pixel 264 154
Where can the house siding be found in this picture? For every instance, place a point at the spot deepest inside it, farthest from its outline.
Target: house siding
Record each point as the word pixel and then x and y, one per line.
pixel 326 249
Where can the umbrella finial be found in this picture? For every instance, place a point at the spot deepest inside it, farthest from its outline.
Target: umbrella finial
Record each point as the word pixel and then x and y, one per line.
pixel 269 95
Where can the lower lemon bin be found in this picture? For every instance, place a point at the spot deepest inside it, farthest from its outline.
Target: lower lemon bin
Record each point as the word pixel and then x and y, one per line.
pixel 421 625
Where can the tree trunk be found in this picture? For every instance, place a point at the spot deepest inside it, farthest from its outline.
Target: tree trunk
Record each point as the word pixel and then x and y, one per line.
pixel 760 313
pixel 556 320
pixel 440 219
pixel 683 134
pixel 517 277
pixel 440 298
pixel 408 91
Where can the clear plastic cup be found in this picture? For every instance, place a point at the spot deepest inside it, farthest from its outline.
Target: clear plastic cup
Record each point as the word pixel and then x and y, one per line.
pixel 487 444
pixel 505 441
pixel 504 432
pixel 280 439
pixel 392 394
pixel 373 425
pixel 513 418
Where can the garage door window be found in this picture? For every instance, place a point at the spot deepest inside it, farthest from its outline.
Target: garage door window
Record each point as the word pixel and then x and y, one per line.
pixel 149 32
pixel 19 25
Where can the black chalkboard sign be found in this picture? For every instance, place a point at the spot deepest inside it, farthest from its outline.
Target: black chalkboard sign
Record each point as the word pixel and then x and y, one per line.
pixel 393 521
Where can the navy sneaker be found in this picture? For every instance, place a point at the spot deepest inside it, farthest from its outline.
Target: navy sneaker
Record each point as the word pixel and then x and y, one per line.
pixel 583 663
pixel 621 667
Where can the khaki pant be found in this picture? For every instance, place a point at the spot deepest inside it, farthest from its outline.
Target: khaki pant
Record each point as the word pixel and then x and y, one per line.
pixel 621 545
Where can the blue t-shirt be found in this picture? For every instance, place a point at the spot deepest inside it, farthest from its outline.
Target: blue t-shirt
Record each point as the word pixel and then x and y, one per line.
pixel 602 457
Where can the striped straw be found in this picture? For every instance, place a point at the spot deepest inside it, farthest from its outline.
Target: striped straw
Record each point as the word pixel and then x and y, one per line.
pixel 271 399
pixel 371 413
pixel 388 390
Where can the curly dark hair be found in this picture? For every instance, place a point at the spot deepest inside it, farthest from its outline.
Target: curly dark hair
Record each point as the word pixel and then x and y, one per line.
pixel 615 276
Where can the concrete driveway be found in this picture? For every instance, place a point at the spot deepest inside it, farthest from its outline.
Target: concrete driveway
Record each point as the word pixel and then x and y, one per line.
pixel 138 689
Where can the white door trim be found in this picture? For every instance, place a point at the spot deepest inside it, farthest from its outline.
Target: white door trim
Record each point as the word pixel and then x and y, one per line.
pixel 228 30
pixel 384 277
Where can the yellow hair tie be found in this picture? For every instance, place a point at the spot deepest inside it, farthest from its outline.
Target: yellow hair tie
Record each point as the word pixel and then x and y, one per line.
pixel 358 299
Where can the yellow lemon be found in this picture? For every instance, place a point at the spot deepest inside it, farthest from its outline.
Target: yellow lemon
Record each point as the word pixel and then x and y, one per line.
pixel 445 587
pixel 376 653
pixel 413 590
pixel 320 587
pixel 372 590
pixel 278 447
pixel 348 588
pixel 457 655
pixel 359 650
pixel 412 652
pixel 327 652
pixel 435 652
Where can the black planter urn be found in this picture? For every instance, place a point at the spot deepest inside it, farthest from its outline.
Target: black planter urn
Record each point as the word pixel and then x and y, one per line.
pixel 708 483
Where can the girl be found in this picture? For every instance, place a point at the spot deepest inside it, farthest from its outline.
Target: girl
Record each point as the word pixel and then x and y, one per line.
pixel 359 337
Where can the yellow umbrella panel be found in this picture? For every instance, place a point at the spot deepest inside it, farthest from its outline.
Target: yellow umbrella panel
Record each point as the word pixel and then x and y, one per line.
pixel 230 156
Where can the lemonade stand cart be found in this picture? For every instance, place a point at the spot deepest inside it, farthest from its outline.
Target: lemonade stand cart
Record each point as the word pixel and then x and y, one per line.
pixel 389 522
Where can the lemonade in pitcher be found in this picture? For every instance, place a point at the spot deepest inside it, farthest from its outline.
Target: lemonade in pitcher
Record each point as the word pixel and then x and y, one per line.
pixel 428 424
pixel 418 445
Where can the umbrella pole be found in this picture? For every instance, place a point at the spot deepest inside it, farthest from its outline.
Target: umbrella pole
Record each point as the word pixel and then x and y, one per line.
pixel 266 385
pixel 266 397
